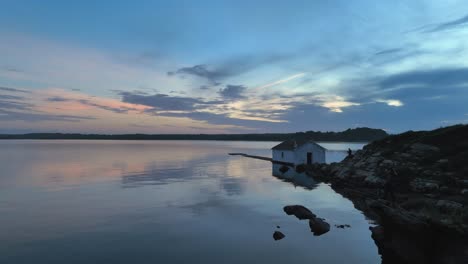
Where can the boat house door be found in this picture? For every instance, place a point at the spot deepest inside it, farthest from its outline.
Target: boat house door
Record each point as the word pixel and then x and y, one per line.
pixel 309 158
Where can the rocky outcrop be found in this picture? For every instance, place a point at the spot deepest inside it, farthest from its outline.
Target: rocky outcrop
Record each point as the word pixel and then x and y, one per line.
pixel 277 235
pixel 415 186
pixel 299 211
pixel 318 226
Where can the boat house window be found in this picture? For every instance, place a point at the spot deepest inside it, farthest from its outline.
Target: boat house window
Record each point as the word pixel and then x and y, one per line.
pixel 282 155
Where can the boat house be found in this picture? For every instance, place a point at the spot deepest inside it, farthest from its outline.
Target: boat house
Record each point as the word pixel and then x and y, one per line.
pixel 298 152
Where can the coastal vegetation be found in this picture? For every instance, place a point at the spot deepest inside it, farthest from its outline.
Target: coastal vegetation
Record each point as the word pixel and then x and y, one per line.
pixel 362 134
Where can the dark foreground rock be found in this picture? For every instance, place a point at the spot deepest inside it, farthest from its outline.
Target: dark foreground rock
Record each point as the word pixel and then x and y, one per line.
pixel 299 211
pixel 415 186
pixel 318 226
pixel 277 235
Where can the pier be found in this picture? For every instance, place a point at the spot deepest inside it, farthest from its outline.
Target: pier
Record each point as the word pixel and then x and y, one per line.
pixel 263 158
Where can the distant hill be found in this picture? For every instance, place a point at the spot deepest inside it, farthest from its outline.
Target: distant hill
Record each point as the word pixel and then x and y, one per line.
pixel 350 135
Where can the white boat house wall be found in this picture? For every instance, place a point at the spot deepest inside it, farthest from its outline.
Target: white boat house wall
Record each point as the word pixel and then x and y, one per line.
pixel 288 154
pixel 298 152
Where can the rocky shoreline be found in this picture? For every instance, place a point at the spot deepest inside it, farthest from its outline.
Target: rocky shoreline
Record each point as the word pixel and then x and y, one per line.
pixel 415 186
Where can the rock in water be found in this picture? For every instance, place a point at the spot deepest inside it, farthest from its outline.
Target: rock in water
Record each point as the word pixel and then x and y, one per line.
pixel 284 169
pixel 277 235
pixel 377 235
pixel 299 211
pixel 342 226
pixel 318 226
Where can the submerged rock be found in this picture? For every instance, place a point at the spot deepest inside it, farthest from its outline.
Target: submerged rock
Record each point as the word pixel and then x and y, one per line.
pixel 284 169
pixel 299 211
pixel 343 226
pixel 277 235
pixel 318 226
pixel 300 168
pixel 377 233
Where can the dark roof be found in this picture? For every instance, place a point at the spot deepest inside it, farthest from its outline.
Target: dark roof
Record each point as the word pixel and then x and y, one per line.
pixel 290 144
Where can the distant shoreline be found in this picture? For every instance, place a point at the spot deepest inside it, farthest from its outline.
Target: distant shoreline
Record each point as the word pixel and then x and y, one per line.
pixel 220 140
pixel 349 135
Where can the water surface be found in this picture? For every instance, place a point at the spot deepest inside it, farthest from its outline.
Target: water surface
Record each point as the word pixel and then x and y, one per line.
pixel 165 202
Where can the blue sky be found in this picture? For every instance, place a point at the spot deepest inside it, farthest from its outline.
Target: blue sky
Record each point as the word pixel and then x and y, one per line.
pixel 231 66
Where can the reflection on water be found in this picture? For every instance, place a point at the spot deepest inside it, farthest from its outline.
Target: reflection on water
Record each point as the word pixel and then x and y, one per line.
pixel 163 202
pixel 290 175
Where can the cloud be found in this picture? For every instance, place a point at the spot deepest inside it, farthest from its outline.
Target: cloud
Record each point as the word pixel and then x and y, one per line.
pixel 7 89
pixel 117 110
pixel 13 70
pixel 388 51
pixel 164 101
pixel 338 104
pixel 6 115
pixel 231 67
pixel 232 92
pixel 48 65
pixel 408 87
pixel 427 78
pixel 10 97
pixel 75 100
pixel 13 105
pixel 201 71
pixel 57 99
pixel 391 102
pixel 17 108
pixel 287 79
pixel 13 102
pixel 448 25
pixel 243 122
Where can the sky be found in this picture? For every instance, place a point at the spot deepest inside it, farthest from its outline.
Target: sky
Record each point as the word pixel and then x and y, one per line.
pixel 232 66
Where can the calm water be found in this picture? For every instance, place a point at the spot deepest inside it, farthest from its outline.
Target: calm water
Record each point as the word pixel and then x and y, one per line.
pixel 165 202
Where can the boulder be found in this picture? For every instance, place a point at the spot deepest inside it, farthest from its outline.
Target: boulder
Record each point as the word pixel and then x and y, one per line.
pixel 442 162
pixel 424 186
pixel 444 189
pixel 463 183
pixel 373 161
pixel 387 164
pixel 464 193
pixel 343 173
pixel 299 211
pixel 374 181
pixel 377 234
pixel 363 173
pixel 284 169
pixel 300 168
pixel 449 207
pixel 342 226
pixel 406 156
pixel 277 235
pixel 360 164
pixel 318 226
pixel 423 149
